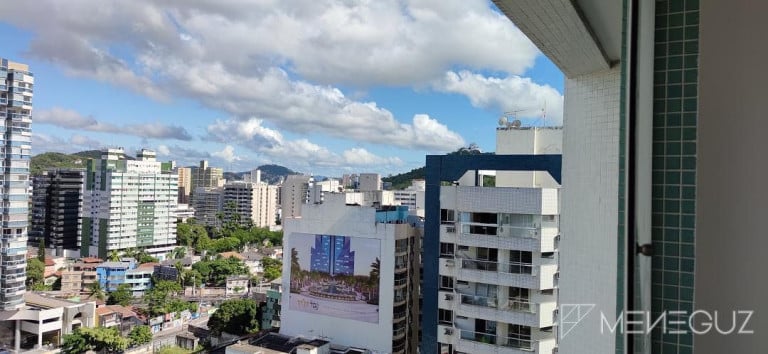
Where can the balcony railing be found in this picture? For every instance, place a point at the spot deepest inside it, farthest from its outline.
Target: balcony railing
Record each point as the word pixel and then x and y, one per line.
pixel 491 266
pixel 478 300
pixel 482 337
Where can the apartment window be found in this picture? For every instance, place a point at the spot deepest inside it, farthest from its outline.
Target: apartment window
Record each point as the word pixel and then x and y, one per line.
pixel 446 283
pixel 444 316
pixel 447 215
pixel 446 249
pixel 520 262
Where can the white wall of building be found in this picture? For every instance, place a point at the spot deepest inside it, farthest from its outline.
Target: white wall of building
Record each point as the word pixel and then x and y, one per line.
pixel 334 219
pixel 528 141
pixel 589 223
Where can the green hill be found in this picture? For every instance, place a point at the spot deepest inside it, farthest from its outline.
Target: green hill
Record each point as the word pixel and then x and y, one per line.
pixel 269 173
pixel 403 180
pixel 44 161
pixel 48 160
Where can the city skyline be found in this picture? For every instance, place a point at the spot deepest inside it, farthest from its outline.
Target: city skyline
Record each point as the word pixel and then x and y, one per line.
pixel 165 79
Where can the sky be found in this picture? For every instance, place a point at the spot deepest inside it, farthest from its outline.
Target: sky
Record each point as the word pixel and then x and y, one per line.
pixel 320 86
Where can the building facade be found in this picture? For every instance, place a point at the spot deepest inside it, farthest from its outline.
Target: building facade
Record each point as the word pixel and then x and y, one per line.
pixel 498 256
pixel 353 274
pixel 253 203
pixel 57 208
pixel 207 203
pixel 204 176
pixel 185 184
pixel 129 204
pixel 293 194
pixel 368 182
pixel 16 87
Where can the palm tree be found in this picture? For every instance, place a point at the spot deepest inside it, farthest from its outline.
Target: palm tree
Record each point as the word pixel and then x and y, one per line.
pixel 373 280
pixel 97 291
pixel 114 256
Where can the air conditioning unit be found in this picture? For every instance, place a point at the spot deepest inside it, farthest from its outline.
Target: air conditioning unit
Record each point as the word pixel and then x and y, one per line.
pixel 450 263
pixel 448 331
pixel 449 296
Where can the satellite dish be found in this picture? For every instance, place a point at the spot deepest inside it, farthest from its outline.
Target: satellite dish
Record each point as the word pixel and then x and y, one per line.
pixel 503 121
pixel 516 123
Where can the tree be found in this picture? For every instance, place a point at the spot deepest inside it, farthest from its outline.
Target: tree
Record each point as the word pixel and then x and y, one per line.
pixel 140 335
pixel 106 339
pixel 237 316
pixel 35 272
pixel 272 268
pixel 121 296
pixel 97 291
pixel 215 272
pixel 179 252
pixel 41 250
pixel 144 257
pixel 114 256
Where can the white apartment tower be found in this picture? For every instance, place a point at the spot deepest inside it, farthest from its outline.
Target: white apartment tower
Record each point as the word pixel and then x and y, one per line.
pixel 254 203
pixel 15 110
pixel 293 193
pixel 498 266
pixel 129 204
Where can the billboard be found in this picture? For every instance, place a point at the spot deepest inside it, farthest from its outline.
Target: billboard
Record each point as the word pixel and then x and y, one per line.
pixel 335 276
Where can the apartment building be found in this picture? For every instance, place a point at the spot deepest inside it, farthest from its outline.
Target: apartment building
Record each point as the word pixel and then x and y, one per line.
pixel 185 184
pixel 57 208
pixel 497 266
pixel 293 194
pixel 207 203
pixel 16 87
pixel 204 176
pixel 412 196
pixel 254 203
pixel 129 204
pixel 367 182
pixel 352 274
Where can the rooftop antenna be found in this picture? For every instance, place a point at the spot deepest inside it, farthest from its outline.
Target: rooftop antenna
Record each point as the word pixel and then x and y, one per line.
pixel 515 123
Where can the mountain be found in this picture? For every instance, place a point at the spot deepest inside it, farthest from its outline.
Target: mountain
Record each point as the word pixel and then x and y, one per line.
pixel 271 174
pixel 47 160
pixel 403 180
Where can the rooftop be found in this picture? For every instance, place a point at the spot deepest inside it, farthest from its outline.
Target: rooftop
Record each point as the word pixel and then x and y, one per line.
pixel 285 344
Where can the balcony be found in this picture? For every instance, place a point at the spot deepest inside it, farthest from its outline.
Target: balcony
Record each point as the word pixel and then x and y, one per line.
pixel 507 310
pixel 479 342
pixel 519 275
pixel 523 238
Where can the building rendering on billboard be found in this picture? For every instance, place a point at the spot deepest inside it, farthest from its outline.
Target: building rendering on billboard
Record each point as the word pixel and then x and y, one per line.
pixel 335 276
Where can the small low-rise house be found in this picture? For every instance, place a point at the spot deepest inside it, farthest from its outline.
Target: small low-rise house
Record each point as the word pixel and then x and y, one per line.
pixel 186 262
pixel 79 278
pixel 112 274
pixel 252 260
pixel 120 317
pixel 140 278
pixel 238 285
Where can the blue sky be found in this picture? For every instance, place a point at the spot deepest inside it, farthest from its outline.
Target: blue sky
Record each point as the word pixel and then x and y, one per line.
pixel 326 87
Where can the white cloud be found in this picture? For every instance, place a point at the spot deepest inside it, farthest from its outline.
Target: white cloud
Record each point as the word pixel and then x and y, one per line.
pixel 163 150
pixel 361 157
pixel 44 143
pixel 276 59
pixel 70 119
pixel 505 94
pixel 227 154
pixel 270 143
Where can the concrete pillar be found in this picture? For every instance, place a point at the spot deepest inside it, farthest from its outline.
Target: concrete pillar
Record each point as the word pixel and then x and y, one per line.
pixel 39 334
pixel 17 335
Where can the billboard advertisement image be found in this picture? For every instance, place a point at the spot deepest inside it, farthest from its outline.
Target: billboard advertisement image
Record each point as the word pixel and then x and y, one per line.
pixel 335 276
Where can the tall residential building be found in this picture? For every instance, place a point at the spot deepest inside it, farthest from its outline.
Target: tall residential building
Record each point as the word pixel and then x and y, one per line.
pixel 498 257
pixel 353 274
pixel 129 204
pixel 57 208
pixel 412 196
pixel 369 182
pixel 293 193
pixel 203 176
pixel 207 203
pixel 185 184
pixel 254 203
pixel 16 83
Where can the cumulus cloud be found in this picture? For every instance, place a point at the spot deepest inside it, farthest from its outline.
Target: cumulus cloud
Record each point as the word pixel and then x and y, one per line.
pixel 271 143
pixel 277 60
pixel 505 94
pixel 44 143
pixel 70 119
pixel 227 154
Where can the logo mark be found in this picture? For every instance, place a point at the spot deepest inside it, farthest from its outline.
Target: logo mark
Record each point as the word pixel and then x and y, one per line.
pixel 571 315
